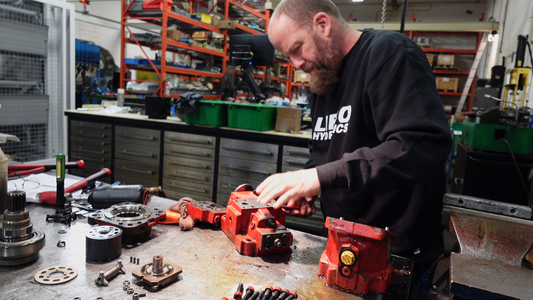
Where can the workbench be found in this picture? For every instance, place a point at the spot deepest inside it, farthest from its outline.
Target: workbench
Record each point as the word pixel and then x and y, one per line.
pixel 212 268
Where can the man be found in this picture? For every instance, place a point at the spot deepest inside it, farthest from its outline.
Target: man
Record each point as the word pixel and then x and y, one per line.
pixel 380 136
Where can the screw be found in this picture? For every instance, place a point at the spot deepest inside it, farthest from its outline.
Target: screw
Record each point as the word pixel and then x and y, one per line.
pixel 293 296
pixel 255 296
pixel 271 222
pixel 283 294
pixel 268 293
pixel 249 292
pixel 275 293
pixel 138 259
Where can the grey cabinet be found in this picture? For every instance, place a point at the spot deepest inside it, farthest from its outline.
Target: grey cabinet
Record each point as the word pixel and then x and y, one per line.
pixel 90 142
pixel 137 155
pixel 294 158
pixel 244 162
pixel 189 166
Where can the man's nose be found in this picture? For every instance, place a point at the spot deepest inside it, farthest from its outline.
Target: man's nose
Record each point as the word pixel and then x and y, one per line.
pixel 298 62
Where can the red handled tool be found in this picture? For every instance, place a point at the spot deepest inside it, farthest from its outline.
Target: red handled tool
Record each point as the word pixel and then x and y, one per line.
pixel 50 197
pixel 27 169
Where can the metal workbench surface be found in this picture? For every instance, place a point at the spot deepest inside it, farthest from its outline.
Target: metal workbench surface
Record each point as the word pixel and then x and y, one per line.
pixel 212 268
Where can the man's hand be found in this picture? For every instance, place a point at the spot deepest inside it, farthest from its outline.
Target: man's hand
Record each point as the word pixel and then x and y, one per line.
pixel 304 207
pixel 295 189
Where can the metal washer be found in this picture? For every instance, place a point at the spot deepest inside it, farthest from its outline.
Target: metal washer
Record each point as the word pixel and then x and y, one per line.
pixel 44 276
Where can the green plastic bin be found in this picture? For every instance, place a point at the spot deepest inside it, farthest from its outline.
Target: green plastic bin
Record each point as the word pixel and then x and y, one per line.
pixel 208 112
pixel 252 116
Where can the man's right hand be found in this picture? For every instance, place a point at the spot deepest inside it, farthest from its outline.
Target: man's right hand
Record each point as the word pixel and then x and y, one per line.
pixel 304 207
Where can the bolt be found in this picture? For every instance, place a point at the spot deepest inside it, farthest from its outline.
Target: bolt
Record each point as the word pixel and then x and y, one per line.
pixel 271 222
pixel 268 293
pixel 249 292
pixel 283 295
pixel 348 257
pixel 138 259
pixel 255 296
pixel 103 278
pixel 278 243
pixel 275 293
pixel 293 296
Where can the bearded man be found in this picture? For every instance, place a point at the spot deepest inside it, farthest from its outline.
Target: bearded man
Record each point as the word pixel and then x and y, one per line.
pixel 380 137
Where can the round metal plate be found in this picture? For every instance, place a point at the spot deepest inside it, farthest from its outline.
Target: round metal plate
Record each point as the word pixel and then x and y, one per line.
pixel 56 275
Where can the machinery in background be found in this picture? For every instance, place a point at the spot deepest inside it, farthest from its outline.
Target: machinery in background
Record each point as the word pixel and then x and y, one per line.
pixel 494 237
pixel 96 72
pixel 518 80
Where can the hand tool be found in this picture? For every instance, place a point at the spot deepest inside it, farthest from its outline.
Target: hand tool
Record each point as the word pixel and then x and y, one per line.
pixel 25 169
pixel 357 258
pixel 49 197
pixel 63 212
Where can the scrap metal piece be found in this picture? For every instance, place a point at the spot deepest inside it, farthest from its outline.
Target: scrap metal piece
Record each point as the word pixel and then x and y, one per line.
pixel 105 277
pixel 49 275
pixel 103 243
pixel 357 258
pixel 135 220
pixel 19 242
pixel 158 273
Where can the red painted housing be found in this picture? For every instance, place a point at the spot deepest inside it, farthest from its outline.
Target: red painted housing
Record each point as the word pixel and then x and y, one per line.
pixel 206 212
pixel 255 229
pixel 357 257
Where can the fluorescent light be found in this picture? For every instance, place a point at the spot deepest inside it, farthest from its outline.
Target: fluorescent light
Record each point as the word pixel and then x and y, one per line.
pixel 358 0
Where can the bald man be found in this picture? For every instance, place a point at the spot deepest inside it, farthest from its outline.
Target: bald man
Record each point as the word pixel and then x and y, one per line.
pixel 380 136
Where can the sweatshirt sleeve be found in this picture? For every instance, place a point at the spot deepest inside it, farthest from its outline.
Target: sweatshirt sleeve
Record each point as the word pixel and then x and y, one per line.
pixel 410 126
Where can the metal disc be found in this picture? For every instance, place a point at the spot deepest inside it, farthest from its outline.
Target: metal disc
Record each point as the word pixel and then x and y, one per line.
pixel 56 275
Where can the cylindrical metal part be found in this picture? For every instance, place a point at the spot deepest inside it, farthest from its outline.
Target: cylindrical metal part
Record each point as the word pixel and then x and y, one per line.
pixel 520 51
pixel 103 243
pixel 157 267
pixel 16 200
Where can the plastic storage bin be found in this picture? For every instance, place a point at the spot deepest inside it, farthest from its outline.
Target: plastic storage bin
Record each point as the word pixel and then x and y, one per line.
pixel 252 116
pixel 208 112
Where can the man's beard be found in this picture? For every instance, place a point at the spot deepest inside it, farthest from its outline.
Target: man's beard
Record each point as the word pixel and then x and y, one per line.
pixel 326 75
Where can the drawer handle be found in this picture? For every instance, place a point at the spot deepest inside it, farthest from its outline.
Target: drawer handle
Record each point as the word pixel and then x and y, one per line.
pixel 293 162
pixel 202 142
pixel 229 186
pixel 298 153
pixel 138 137
pixel 148 172
pixel 265 153
pixel 247 170
pixel 92 125
pixel 181 164
pixel 190 153
pixel 103 135
pixel 91 150
pixel 189 189
pixel 126 151
pixel 197 178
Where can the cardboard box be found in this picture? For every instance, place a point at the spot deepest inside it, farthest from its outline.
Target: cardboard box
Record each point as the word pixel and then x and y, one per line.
pixel 430 59
pixel 445 60
pixel 447 84
pixel 174 34
pixel 224 24
pixel 183 5
pixel 302 77
pixel 288 119
pixel 201 35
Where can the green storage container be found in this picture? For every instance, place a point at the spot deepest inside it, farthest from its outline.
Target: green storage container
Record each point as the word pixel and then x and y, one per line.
pixel 488 137
pixel 252 116
pixel 208 112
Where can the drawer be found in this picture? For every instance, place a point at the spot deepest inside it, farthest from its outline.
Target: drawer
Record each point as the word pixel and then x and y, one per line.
pixel 190 175
pixel 81 141
pixel 125 179
pixel 245 169
pixel 252 151
pixel 226 184
pixel 294 162
pixel 187 188
pixel 134 135
pixel 177 162
pixel 177 195
pixel 136 170
pixel 293 151
pixel 104 161
pixel 138 153
pixel 90 127
pixel 196 140
pixel 89 151
pixel 189 151
pixel 91 134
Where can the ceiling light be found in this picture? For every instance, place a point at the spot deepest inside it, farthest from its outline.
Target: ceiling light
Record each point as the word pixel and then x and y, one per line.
pixel 358 0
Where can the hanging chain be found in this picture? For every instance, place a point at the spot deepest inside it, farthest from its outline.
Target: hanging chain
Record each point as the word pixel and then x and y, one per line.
pixel 383 11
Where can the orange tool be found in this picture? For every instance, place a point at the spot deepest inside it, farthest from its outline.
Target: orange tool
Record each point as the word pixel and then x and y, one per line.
pixel 50 197
pixel 171 218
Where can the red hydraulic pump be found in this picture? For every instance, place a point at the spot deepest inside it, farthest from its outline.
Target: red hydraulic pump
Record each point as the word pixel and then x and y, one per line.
pixel 255 229
pixel 357 258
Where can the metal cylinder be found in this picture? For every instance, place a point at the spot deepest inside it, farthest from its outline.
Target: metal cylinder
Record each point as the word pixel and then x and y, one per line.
pixel 520 51
pixel 19 243
pixel 103 243
pixel 157 267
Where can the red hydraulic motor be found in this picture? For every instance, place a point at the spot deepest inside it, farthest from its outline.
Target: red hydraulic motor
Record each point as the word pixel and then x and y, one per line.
pixel 357 258
pixel 255 229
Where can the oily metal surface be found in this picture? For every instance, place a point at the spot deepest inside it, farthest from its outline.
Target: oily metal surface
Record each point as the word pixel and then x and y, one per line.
pixel 212 268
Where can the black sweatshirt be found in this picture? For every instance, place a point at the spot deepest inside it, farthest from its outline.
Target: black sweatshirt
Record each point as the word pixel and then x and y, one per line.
pixel 380 143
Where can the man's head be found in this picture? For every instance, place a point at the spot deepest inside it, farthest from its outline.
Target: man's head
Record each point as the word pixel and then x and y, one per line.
pixel 311 33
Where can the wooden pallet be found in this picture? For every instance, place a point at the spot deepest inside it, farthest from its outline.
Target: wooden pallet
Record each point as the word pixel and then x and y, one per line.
pixel 426 46
pixel 448 90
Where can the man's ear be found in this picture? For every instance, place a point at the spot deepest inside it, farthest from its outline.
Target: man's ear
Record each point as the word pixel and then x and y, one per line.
pixel 322 24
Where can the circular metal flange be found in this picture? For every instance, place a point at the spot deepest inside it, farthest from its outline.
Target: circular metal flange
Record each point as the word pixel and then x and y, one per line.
pixel 21 252
pixel 50 275
pixel 103 243
pixel 128 212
